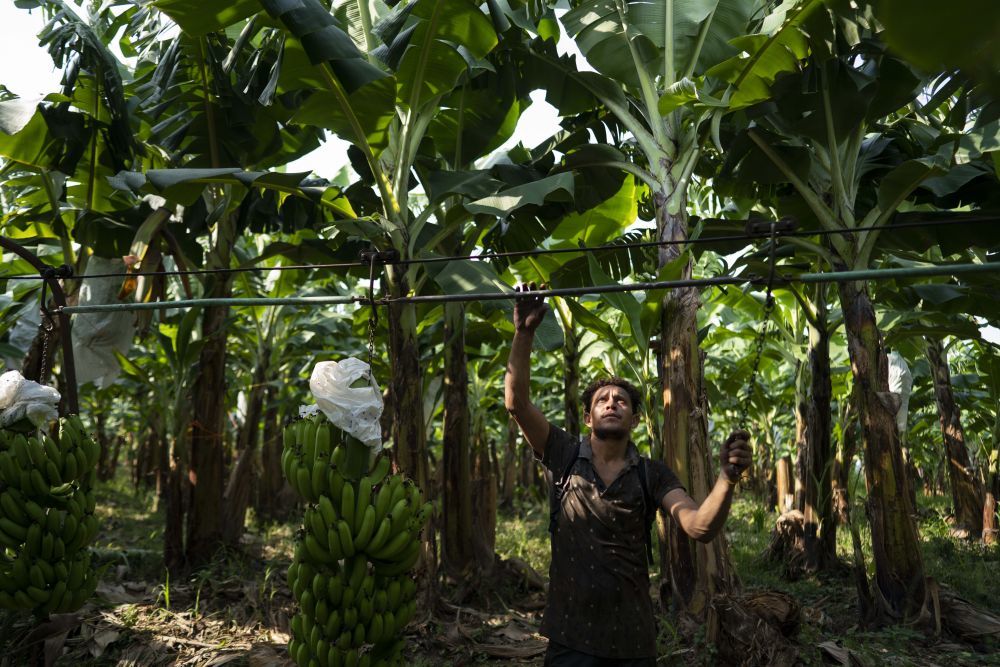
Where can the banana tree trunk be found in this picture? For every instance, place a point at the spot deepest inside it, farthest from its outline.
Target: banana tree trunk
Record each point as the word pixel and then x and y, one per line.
pixel 239 488
pixel 510 465
pixel 801 426
pixel 408 430
pixel 571 377
pixel 820 528
pixel 272 480
pixel 697 571
pixel 844 460
pixel 208 407
pixel 899 572
pixel 456 538
pixel 966 492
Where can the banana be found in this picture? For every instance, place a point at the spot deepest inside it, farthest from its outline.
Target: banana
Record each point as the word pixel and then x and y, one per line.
pixel 70 527
pixel 347 599
pixel 309 441
pixel 346 541
pixel 350 618
pixel 20 448
pixel 92 451
pixel 48 572
pixel 319 585
pixel 8 469
pixel 77 574
pixel 338 456
pixel 400 513
pixel 322 447
pixel 363 500
pixel 35 511
pixel 380 469
pixel 382 498
pixel 7 540
pixel 36 577
pixel 407 560
pixel 33 540
pixel 336 482
pixel 327 511
pixel 15 531
pixel 358 569
pixel 405 614
pixel 344 640
pixel 316 525
pixel 334 593
pixel 332 626
pixel 318 479
pixel 394 591
pixel 375 629
pixel 40 488
pixel 22 600
pixel 398 490
pixel 48 544
pixel 308 605
pixel 52 451
pixel 10 502
pixel 380 536
pixel 365 611
pixel 367 528
pixel 322 610
pixel 302 475
pixel 347 504
pixel 407 589
pixel 393 546
pixel 359 635
pixel 380 600
pixel 38 595
pixel 71 465
pixel 315 551
pixel 333 541
pixel 389 624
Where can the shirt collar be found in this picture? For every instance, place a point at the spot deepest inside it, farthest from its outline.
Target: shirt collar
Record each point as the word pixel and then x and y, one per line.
pixel 631 451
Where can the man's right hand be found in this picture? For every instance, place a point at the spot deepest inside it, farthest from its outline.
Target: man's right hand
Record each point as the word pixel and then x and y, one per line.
pixel 529 310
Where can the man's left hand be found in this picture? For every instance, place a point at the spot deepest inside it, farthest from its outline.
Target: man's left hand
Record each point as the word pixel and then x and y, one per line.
pixel 735 457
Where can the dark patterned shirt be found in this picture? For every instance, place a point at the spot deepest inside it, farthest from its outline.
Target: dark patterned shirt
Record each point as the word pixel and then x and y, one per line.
pixel 598 600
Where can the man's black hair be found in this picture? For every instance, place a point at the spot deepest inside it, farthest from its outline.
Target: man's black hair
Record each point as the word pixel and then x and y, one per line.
pixel 633 394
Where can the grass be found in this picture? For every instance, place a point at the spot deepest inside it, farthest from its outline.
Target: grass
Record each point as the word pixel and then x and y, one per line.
pixel 242 594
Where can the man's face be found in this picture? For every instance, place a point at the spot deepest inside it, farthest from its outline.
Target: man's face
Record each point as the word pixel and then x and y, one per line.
pixel 611 414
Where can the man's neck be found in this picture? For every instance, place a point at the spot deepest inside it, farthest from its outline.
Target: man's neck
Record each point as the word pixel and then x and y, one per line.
pixel 608 450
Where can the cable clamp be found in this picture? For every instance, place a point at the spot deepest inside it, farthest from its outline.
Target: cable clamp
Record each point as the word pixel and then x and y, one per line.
pixel 764 227
pixel 390 256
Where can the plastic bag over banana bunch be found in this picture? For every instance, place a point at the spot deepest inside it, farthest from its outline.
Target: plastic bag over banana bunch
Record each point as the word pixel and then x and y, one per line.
pixel 361 530
pixel 46 502
pixel 24 403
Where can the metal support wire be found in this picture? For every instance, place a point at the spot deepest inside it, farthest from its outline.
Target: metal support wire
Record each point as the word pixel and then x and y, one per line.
pixel 753 228
pixel 807 278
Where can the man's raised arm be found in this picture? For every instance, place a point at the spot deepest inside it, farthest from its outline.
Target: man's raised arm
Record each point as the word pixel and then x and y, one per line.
pixel 529 311
pixel 704 521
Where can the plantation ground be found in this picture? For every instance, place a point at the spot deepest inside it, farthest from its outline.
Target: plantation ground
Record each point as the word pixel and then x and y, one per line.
pixel 237 611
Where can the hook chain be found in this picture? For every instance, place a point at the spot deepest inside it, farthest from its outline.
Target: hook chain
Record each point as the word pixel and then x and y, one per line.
pixel 762 331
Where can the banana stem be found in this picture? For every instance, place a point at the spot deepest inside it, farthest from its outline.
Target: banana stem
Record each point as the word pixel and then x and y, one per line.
pixel 356 460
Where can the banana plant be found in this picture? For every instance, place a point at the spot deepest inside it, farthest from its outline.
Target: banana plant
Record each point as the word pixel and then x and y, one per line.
pixel 658 82
pixel 833 149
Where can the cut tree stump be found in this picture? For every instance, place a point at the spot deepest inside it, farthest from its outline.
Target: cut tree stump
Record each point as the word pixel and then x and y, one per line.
pixel 788 544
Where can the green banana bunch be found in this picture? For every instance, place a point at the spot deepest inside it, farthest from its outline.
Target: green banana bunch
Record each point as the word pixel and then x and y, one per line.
pixel 47 519
pixel 359 539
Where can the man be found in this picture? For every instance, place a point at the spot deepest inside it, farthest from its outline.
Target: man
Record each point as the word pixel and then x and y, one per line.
pixel 599 611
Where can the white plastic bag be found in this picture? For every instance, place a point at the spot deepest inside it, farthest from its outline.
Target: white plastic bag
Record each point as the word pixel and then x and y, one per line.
pixel 97 336
pixel 354 409
pixel 900 383
pixel 20 398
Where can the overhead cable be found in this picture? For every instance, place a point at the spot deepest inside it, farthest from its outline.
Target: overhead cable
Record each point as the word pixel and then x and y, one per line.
pixel 714 281
pixel 703 240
